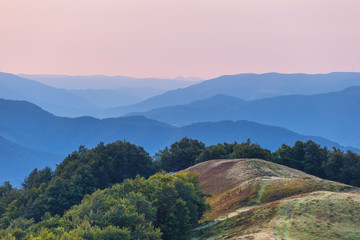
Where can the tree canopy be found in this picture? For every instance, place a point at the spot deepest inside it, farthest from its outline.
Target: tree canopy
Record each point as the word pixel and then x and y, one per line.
pixel 161 207
pixel 180 155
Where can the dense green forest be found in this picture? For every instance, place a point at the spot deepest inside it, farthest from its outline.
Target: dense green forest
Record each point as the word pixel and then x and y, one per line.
pixel 118 191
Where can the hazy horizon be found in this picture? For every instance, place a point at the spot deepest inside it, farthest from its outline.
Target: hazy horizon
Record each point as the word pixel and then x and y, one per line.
pixel 166 39
pixel 182 78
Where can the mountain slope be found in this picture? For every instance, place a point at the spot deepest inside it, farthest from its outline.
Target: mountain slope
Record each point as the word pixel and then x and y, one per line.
pixel 322 215
pixel 256 199
pixel 58 101
pixel 331 115
pixel 17 162
pixel 216 108
pixel 247 87
pixel 110 98
pixel 32 127
pixel 107 98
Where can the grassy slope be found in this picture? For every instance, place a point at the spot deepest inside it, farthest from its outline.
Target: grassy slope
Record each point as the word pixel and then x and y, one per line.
pixel 255 199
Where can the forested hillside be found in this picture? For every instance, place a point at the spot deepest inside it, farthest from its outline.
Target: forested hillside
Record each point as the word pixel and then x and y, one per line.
pixel 52 205
pixel 113 191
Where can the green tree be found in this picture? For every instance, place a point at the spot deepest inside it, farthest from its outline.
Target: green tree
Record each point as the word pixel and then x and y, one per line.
pixel 283 156
pixel 350 172
pixel 334 164
pixel 180 155
pixel 219 151
pixel 181 222
pixel 250 150
pixel 7 195
pixel 37 177
pixel 314 158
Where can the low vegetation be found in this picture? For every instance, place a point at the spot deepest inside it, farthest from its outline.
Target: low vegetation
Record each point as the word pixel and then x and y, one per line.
pixel 257 199
pixel 317 215
pixel 238 184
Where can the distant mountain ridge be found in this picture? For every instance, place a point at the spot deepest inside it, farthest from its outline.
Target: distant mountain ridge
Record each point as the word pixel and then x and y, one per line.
pixel 130 98
pixel 330 115
pixel 32 127
pixel 247 87
pixel 108 98
pixel 83 102
pixel 112 91
pixel 55 100
pixel 110 82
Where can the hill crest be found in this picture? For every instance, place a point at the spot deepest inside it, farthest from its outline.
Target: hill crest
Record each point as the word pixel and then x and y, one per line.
pixel 256 199
pixel 228 173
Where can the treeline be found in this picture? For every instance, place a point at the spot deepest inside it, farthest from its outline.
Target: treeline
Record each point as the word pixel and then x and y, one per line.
pixel 307 156
pixel 332 164
pixel 57 205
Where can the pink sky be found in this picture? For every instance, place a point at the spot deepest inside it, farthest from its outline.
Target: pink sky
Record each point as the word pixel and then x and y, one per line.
pixel 169 38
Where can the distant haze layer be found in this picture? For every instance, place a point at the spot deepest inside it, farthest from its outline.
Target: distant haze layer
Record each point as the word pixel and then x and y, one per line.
pixel 162 38
pixel 110 82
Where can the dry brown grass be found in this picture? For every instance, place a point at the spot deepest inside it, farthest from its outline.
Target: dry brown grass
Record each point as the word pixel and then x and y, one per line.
pixel 221 175
pixel 263 200
pixel 318 215
pixel 236 183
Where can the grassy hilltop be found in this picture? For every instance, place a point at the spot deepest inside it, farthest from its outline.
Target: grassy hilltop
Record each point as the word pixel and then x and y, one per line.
pixel 256 199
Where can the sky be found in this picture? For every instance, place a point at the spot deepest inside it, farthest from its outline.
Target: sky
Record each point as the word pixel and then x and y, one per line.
pixel 170 38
